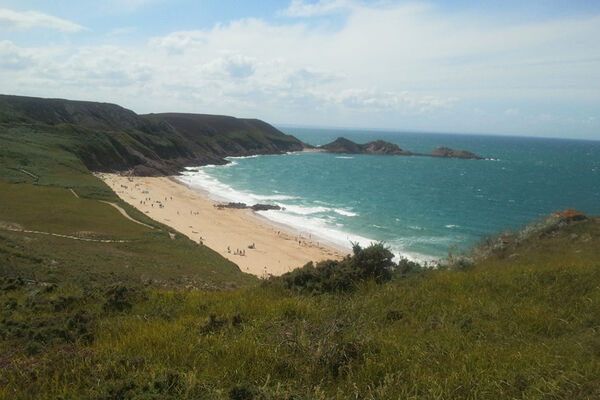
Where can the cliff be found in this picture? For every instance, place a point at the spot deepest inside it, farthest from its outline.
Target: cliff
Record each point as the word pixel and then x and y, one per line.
pixel 345 146
pixel 108 137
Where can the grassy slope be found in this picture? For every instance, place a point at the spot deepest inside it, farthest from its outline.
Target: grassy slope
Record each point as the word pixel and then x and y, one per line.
pixel 107 137
pixel 228 136
pixel 50 207
pixel 507 328
pixel 115 320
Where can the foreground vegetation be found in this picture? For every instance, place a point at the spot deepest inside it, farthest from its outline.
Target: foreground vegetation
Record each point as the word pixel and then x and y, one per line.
pixel 519 324
pixel 95 306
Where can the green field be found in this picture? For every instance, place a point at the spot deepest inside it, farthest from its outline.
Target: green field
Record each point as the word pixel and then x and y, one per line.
pixel 138 313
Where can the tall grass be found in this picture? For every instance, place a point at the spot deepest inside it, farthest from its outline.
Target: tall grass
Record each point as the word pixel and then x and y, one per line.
pixel 493 331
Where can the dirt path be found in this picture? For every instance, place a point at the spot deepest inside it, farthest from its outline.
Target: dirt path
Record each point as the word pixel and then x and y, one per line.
pixel 122 211
pixel 36 178
pixel 74 193
pixel 64 236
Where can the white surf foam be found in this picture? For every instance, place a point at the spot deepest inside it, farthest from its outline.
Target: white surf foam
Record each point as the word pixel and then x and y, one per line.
pixel 297 218
pixel 273 197
pixel 317 229
pixel 241 157
pixel 302 210
pixel 345 212
pixel 216 190
pixel 199 179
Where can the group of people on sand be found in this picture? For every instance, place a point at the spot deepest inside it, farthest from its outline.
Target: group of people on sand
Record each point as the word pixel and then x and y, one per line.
pixel 238 252
pixel 149 199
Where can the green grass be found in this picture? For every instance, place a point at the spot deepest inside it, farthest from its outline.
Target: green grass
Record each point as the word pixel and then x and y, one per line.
pixel 503 329
pixel 53 154
pixel 161 318
pixel 146 255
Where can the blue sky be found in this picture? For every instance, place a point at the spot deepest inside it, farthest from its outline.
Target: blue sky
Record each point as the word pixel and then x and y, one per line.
pixel 527 68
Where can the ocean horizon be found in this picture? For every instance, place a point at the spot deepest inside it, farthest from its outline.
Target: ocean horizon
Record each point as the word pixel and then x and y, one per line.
pixel 421 207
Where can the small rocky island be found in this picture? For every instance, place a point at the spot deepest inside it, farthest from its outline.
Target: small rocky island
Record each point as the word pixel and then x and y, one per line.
pixel 345 146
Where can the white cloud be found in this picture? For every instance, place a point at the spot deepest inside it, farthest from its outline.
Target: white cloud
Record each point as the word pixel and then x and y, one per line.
pixel 14 20
pixel 387 65
pixel 300 8
pixel 122 31
pixel 12 57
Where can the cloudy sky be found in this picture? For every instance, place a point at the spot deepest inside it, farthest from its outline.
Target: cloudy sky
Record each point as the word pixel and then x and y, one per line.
pixel 523 67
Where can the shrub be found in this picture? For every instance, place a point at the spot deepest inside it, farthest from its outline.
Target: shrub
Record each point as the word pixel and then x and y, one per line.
pixel 405 266
pixel 241 392
pixel 374 262
pixel 119 298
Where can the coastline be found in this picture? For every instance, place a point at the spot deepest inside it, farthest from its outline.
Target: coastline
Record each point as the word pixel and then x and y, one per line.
pixel 277 248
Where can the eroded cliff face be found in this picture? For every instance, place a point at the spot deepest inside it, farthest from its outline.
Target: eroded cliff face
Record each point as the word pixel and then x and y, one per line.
pixel 108 137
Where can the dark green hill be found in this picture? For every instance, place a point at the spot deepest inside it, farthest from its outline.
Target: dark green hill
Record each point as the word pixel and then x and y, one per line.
pixel 107 137
pixel 227 136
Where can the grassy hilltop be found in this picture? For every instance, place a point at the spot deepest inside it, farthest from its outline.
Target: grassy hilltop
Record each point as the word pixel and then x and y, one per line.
pixel 96 306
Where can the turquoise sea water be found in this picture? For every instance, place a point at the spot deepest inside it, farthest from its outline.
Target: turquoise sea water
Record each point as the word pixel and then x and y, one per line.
pixel 421 207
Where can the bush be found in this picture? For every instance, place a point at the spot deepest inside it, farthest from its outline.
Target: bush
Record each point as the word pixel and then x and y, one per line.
pixel 405 266
pixel 120 298
pixel 241 392
pixel 374 262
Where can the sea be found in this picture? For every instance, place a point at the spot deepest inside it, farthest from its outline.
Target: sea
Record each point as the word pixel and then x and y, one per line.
pixel 422 208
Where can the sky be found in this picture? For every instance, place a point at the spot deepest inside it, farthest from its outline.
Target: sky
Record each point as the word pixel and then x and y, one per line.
pixel 525 68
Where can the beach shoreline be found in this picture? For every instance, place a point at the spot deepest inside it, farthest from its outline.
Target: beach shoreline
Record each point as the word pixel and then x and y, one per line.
pixel 281 226
pixel 256 244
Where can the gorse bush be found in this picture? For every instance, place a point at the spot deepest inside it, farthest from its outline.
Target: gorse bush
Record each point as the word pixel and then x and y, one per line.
pixel 373 262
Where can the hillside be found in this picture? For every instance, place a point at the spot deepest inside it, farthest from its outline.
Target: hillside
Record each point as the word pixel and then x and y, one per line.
pixel 107 137
pixel 521 323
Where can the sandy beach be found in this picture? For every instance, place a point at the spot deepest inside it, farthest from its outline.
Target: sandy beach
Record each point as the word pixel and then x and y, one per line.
pixel 229 232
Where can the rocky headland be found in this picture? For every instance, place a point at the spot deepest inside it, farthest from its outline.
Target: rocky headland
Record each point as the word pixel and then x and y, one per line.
pixel 109 138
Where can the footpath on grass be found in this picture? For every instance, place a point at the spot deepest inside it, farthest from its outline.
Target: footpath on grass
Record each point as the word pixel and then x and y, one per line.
pixel 14 229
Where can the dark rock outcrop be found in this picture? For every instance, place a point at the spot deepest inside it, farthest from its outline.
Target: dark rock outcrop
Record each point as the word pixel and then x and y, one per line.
pixel 265 207
pixel 243 206
pixel 345 146
pixel 383 147
pixel 446 152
